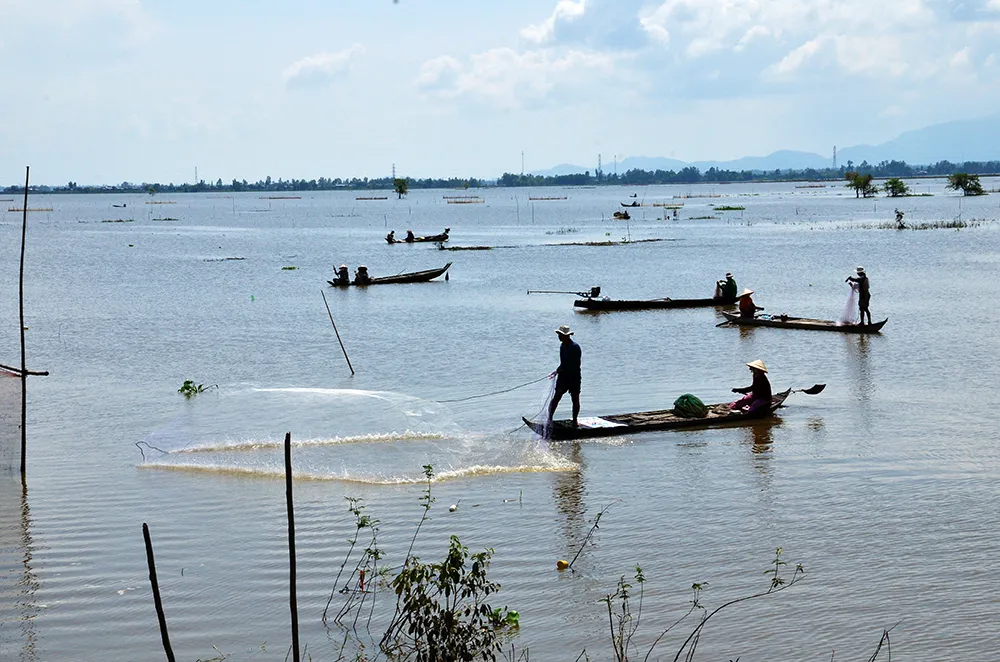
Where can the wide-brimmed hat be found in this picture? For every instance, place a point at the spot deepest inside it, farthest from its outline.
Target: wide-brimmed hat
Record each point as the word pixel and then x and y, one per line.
pixel 729 275
pixel 860 270
pixel 362 267
pixel 757 365
pixel 564 331
pixel 343 266
pixel 745 292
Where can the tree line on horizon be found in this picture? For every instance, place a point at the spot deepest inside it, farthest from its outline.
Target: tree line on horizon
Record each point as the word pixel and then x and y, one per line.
pixel 633 177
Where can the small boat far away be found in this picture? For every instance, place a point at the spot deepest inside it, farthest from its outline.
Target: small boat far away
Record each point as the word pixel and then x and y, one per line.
pixel 647 421
pixel 789 322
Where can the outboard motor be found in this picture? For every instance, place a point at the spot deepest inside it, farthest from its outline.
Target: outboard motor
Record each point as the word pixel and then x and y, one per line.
pixel 594 292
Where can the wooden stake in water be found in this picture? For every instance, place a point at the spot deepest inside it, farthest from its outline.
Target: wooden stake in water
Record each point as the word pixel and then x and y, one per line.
pixel 156 594
pixel 292 599
pixel 337 332
pixel 24 367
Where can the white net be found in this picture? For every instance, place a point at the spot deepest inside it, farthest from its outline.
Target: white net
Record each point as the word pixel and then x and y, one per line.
pixel 10 419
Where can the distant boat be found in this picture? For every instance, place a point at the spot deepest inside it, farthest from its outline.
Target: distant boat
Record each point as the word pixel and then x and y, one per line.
pixel 412 277
pixel 649 304
pixel 622 215
pixel 634 203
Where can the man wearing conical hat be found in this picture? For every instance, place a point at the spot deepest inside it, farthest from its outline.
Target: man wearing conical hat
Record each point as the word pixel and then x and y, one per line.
pixel 568 373
pixel 747 306
pixel 758 395
pixel 860 282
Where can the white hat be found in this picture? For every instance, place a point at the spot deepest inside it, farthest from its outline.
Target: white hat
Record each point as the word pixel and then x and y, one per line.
pixel 343 266
pixel 564 331
pixel 860 270
pixel 745 292
pixel 729 274
pixel 757 365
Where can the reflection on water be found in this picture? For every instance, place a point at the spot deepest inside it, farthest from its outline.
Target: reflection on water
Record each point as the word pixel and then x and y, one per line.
pixel 18 583
pixel 761 434
pixel 569 489
pixel 859 358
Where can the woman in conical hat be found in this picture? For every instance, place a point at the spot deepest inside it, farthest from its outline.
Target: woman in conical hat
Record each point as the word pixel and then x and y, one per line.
pixel 747 307
pixel 757 396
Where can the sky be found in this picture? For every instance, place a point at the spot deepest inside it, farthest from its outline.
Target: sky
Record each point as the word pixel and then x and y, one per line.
pixel 105 91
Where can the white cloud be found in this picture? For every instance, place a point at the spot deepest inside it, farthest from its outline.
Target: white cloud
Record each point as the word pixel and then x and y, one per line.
pixel 507 79
pixel 320 67
pixel 566 10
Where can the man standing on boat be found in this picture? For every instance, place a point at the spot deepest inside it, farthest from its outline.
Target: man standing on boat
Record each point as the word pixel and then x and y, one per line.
pixel 758 394
pixel 568 373
pixel 864 293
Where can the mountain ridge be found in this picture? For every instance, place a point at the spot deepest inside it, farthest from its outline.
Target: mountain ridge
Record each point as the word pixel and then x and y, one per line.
pixel 956 141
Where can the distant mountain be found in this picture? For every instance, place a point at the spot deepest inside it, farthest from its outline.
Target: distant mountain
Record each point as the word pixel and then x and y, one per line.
pixel 964 140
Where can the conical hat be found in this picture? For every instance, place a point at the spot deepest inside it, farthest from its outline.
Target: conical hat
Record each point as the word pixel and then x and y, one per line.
pixel 746 292
pixel 757 365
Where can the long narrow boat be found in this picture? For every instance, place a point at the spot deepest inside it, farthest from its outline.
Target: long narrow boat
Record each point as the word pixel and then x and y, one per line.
pixel 649 304
pixel 647 421
pixel 788 322
pixel 419 240
pixel 412 277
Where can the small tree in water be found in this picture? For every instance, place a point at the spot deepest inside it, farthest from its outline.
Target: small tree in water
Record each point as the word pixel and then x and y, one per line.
pixel 969 184
pixel 401 185
pixel 895 187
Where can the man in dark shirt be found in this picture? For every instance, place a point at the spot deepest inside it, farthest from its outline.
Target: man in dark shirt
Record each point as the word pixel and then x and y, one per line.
pixel 728 289
pixel 864 293
pixel 568 373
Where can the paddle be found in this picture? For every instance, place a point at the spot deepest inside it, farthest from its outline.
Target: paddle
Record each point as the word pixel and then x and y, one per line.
pixel 812 390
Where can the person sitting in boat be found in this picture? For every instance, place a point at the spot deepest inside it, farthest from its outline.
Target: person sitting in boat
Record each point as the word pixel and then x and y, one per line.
pixel 391 237
pixel 409 237
pixel 726 289
pixel 860 282
pixel 758 395
pixel 361 276
pixel 341 276
pixel 747 307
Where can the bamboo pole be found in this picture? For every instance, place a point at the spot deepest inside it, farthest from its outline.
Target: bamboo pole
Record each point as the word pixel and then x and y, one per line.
pixel 292 599
pixel 24 367
pixel 337 332
pixel 156 594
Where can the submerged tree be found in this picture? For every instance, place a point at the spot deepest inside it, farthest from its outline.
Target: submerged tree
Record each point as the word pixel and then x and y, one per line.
pixel 401 185
pixel 862 184
pixel 969 184
pixel 895 187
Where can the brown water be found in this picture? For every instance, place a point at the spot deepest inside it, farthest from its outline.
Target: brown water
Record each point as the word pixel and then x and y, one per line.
pixel 884 486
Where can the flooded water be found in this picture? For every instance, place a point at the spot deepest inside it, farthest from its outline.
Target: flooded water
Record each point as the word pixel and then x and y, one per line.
pixel 884 486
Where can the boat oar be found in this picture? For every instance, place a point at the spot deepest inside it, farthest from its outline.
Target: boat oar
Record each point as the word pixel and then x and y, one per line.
pixel 812 390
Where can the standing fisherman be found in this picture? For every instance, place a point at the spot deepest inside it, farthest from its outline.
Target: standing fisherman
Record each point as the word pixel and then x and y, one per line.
pixel 568 373
pixel 864 293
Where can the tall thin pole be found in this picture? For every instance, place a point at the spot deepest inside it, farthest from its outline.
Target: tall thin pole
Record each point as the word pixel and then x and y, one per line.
pixel 292 599
pixel 24 367
pixel 151 562
pixel 337 332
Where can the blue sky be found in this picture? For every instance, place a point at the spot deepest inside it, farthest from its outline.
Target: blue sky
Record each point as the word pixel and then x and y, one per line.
pixel 102 91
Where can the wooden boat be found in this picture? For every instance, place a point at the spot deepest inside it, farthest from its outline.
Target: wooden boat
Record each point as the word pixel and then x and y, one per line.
pixel 647 421
pixel 442 237
pixel 649 304
pixel 622 215
pixel 788 322
pixel 634 203
pixel 412 277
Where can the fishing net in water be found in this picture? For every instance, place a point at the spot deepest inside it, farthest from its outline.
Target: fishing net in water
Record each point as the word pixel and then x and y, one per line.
pixel 850 308
pixel 10 419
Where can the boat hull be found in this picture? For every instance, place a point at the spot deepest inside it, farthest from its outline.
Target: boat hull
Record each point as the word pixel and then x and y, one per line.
pixel 649 421
pixel 648 304
pixel 787 322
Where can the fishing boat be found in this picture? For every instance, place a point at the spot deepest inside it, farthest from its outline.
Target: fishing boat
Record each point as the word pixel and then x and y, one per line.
pixel 412 277
pixel 789 322
pixel 634 203
pixel 648 421
pixel 621 215
pixel 649 304
pixel 391 238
